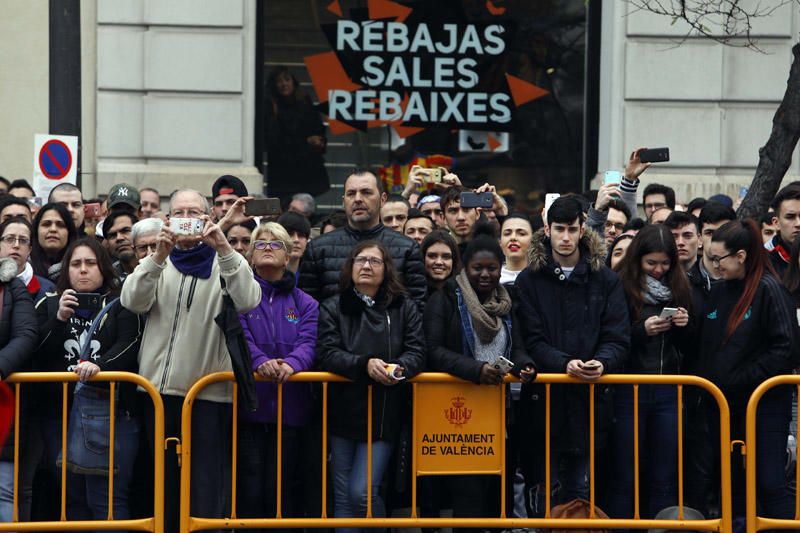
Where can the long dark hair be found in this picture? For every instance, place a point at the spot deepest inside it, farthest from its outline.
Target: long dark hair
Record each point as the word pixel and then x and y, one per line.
pixel 391 287
pixel 791 278
pixel 744 235
pixel 655 238
pixel 39 259
pixel 110 283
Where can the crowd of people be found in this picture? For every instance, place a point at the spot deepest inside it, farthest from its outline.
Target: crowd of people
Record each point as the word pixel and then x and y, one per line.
pixel 387 288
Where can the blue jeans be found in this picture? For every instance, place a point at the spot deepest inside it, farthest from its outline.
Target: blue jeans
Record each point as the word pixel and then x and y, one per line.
pixel 658 442
pixel 88 445
pixel 6 491
pixel 349 471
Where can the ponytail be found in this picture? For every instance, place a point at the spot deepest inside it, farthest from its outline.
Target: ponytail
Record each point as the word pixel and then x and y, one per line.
pixel 744 235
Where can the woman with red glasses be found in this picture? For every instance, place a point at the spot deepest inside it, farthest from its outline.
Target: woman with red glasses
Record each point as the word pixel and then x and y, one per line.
pixel 281 333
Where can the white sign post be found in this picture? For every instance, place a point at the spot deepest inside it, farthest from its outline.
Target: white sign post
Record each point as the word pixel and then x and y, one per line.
pixel 55 161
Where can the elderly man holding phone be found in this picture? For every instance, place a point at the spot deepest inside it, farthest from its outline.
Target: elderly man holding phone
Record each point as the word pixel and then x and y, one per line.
pixel 180 289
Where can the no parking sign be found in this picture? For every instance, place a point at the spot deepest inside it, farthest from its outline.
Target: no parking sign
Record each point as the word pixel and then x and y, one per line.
pixel 54 162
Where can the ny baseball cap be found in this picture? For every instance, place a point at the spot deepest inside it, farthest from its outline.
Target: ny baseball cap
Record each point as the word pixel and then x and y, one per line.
pixel 122 193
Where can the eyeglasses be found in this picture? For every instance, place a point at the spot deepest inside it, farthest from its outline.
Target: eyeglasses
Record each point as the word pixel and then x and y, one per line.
pixel 233 241
pixel 146 248
pixel 362 260
pixel 655 205
pixel 12 239
pixel 617 226
pixel 273 245
pixel 186 213
pixel 716 260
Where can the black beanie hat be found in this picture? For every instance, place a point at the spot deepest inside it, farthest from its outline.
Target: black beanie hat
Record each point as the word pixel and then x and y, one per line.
pixel 228 184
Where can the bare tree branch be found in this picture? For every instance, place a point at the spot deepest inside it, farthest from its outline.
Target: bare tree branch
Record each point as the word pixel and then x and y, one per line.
pixel 723 21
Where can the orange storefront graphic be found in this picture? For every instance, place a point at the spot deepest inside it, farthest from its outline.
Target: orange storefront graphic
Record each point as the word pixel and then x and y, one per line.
pixel 459 429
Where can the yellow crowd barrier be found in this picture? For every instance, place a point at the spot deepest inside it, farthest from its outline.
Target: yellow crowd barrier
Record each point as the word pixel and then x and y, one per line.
pixel 154 524
pixel 755 522
pixel 190 523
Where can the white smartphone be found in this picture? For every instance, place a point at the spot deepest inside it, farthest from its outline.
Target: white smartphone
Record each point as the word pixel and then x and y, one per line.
pixel 549 198
pixel 668 312
pixel 186 226
pixel 391 371
pixel 502 364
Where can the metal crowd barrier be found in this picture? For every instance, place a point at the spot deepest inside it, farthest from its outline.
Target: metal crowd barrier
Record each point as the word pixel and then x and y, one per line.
pixel 154 524
pixel 755 522
pixel 190 523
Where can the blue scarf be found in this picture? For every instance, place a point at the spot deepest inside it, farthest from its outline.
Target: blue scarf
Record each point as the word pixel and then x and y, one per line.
pixel 195 261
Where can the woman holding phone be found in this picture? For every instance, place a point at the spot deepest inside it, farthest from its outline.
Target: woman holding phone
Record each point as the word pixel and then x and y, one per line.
pixel 89 282
pixel 658 296
pixel 371 333
pixel 468 327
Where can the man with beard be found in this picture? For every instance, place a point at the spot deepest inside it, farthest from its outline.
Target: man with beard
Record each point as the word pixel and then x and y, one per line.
pixel 325 255
pixel 117 228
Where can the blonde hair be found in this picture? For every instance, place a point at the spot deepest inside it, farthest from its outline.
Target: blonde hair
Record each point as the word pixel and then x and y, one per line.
pixel 276 230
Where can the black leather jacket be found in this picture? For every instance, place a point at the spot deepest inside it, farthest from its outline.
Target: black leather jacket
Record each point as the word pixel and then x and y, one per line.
pixel 349 334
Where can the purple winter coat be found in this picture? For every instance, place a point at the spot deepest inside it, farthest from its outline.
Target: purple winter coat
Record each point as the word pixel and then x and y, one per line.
pixel 282 326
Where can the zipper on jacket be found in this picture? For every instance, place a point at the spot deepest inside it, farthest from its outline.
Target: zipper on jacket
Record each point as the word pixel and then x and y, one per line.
pixel 661 356
pixel 172 335
pixel 191 294
pixel 271 317
pixel 389 358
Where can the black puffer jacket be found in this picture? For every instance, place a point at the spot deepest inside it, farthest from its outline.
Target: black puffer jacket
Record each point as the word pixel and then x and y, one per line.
pixel 19 333
pixel 19 330
pixel 349 334
pixel 585 317
pixel 324 257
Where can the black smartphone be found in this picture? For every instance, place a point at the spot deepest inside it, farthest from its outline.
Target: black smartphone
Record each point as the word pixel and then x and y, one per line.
pixel 477 199
pixel 89 300
pixel 259 207
pixel 654 155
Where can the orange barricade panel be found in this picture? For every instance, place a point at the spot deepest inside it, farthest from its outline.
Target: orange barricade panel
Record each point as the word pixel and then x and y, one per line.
pixel 459 428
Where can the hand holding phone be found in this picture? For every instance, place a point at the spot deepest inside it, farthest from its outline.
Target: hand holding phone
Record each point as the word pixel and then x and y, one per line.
pixel 186 226
pixel 654 155
pixel 89 300
pixel 484 200
pixel 261 207
pixel 432 175
pixel 502 364
pixel 668 312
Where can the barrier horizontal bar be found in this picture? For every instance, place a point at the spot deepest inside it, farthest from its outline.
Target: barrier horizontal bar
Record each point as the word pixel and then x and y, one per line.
pixel 198 524
pixel 460 473
pixel 140 524
pixel 441 377
pixel 775 523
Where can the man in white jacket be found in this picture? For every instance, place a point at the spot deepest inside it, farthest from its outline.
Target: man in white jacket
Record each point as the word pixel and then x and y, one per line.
pixel 179 288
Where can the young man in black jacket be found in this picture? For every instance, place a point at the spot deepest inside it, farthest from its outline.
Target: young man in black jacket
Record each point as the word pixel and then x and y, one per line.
pixel 325 255
pixel 573 317
pixel 787 215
